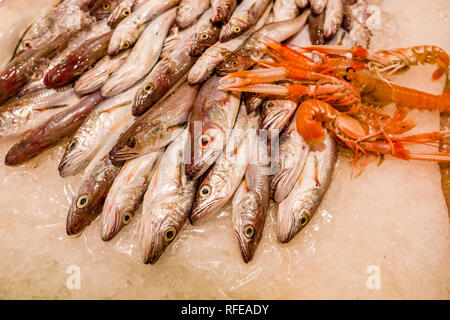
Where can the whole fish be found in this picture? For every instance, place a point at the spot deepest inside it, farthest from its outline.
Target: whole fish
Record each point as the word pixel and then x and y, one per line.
pixel 78 61
pixel 101 9
pixel 248 220
pixel 158 126
pixel 50 132
pixel 222 10
pixel 244 16
pixel 168 70
pixel 19 115
pixel 302 3
pixel 63 21
pixel 206 35
pixel 210 124
pixel 317 6
pixel 284 10
pixel 205 65
pixel 126 193
pixel 254 47
pixel 316 28
pixel 90 197
pixel 293 154
pixel 93 79
pixel 275 114
pixel 167 202
pixel 143 56
pixel 221 181
pixel 189 10
pixel 112 115
pixel 301 204
pixel 334 14
pixel 131 28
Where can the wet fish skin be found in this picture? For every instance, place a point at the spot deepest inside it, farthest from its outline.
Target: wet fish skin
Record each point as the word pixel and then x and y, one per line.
pixel 254 47
pixel 223 178
pixel 143 56
pixel 317 6
pixel 207 34
pixel 295 212
pixel 50 132
pixel 189 10
pixel 334 14
pixel 284 10
pixel 210 125
pixel 103 8
pixel 275 114
pixel 78 61
pixel 158 126
pixel 316 28
pixel 167 202
pixel 127 192
pixel 222 10
pixel 292 157
pixel 88 201
pixel 244 16
pixel 93 79
pixel 130 29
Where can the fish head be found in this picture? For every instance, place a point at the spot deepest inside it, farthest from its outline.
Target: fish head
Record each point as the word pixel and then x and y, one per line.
pixel 206 145
pixel 291 222
pixel 100 9
pixel 131 144
pixel 231 63
pixel 233 29
pixel 120 42
pixel 203 39
pixel 248 224
pixel 82 210
pixel 141 100
pixel 113 220
pixel 73 159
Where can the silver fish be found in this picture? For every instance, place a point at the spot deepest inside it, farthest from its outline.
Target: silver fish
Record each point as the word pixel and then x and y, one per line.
pixel 317 6
pixel 93 79
pixel 293 153
pixel 127 192
pixel 143 56
pixel 210 125
pixel 284 10
pixel 189 10
pixel 334 14
pixel 167 202
pixel 131 28
pixel 244 16
pixel 301 204
pixel 221 181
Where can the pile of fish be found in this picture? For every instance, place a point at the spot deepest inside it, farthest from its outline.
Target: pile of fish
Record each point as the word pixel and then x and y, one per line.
pixel 135 85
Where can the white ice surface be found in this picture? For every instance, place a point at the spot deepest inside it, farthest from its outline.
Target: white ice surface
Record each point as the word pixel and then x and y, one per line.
pixel 392 216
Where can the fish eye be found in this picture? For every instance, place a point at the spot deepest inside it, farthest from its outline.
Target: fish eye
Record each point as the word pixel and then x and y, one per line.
pixel 127 219
pixel 270 104
pixel 27 44
pixel 148 88
pixel 131 143
pixel 303 221
pixel 71 146
pixel 126 12
pixel 205 191
pixel 82 201
pixel 204 36
pixel 204 141
pixel 346 78
pixel 170 234
pixel 249 231
pixel 234 63
pixel 237 29
pixel 106 6
pixel 126 45
pixel 350 69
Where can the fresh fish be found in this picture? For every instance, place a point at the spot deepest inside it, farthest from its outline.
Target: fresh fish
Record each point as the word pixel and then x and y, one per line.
pixel 120 12
pixel 143 56
pixel 244 17
pixel 112 115
pixel 15 17
pixel 293 154
pixel 158 126
pixel 189 10
pixel 19 115
pixel 50 132
pixel 101 9
pixel 252 101
pixel 93 79
pixel 131 28
pixel 126 193
pixel 206 35
pixel 301 204
pixel 302 3
pixel 334 14
pixel 210 125
pixel 205 65
pixel 221 181
pixel 88 201
pixel 248 220
pixel 78 61
pixel 254 47
pixel 317 6
pixel 275 114
pixel 168 70
pixel 222 10
pixel 167 202
pixel 284 10
pixel 63 21
pixel 316 28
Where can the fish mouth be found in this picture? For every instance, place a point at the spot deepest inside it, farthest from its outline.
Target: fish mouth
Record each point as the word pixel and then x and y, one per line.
pixel 152 246
pixel 287 227
pixel 122 156
pixel 247 248
pixel 110 224
pixel 68 168
pixel 200 213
